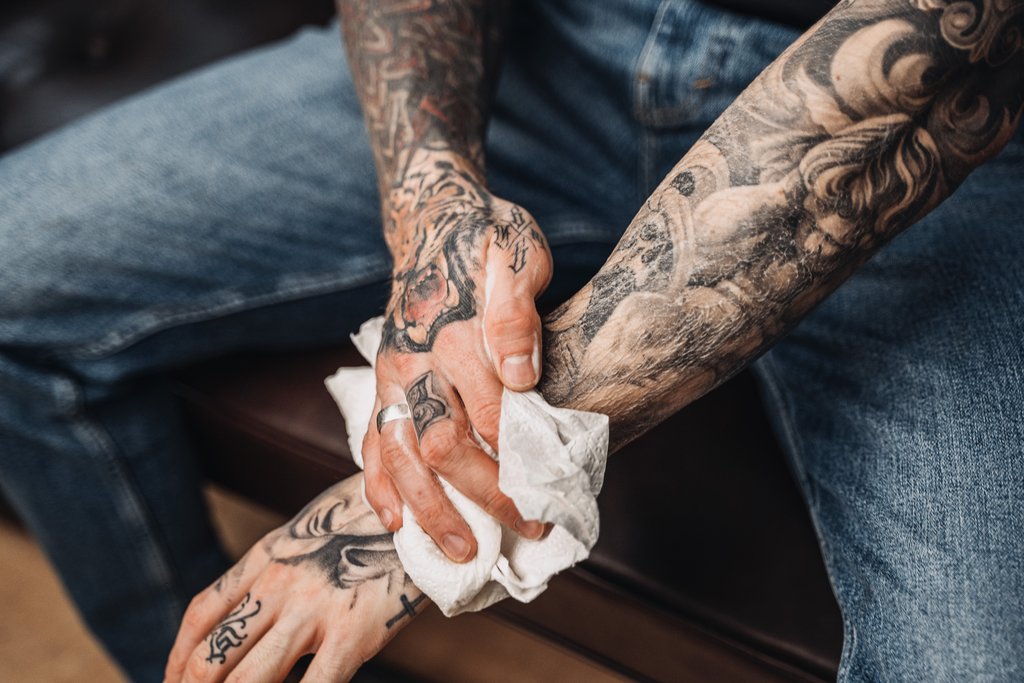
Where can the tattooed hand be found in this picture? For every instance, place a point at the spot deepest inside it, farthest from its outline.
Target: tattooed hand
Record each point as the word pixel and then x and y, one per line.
pixel 468 266
pixel 327 582
pixel 461 319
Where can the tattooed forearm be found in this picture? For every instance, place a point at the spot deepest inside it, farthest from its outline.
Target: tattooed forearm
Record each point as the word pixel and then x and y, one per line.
pixel 860 128
pixel 424 71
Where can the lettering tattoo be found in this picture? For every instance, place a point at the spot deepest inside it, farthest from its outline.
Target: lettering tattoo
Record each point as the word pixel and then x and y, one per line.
pixel 426 402
pixel 230 633
pixel 856 131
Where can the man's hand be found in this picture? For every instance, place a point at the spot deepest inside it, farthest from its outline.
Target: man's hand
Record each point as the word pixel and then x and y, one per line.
pixel 462 322
pixel 327 582
pixel 468 266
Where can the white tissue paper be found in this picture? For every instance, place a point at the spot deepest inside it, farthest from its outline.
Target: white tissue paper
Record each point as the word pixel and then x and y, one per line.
pixel 551 466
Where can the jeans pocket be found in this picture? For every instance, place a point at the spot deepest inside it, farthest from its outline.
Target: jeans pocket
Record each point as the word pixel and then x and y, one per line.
pixel 697 59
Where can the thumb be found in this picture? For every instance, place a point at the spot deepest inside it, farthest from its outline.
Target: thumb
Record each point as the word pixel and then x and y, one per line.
pixel 511 328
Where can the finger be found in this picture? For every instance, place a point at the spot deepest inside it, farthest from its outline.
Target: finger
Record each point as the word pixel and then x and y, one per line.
pixel 480 392
pixel 337 659
pixel 416 483
pixel 209 607
pixel 228 642
pixel 331 665
pixel 381 493
pixel 475 474
pixel 511 326
pixel 273 657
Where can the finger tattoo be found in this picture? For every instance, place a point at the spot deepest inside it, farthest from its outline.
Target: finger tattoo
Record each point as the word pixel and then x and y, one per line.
pixel 428 406
pixel 230 633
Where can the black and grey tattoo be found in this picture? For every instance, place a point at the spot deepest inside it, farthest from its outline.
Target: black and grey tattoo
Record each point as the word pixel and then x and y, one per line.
pixel 408 609
pixel 856 131
pixel 230 633
pixel 339 536
pixel 427 404
pixel 424 71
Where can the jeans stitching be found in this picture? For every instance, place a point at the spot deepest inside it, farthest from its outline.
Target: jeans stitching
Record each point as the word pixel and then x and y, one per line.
pixel 147 324
pixel 159 570
pixel 790 436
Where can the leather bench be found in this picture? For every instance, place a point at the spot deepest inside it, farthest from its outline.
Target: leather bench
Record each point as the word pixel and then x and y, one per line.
pixel 707 567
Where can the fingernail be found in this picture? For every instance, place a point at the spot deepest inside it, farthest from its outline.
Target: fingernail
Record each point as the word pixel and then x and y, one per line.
pixel 530 530
pixel 518 371
pixel 386 518
pixel 456 546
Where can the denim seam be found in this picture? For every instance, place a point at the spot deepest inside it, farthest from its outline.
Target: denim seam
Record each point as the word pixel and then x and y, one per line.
pixel 791 438
pixel 130 507
pixel 147 323
pixel 642 100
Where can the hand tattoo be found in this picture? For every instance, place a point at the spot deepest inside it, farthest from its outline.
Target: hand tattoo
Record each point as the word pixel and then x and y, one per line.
pixel 856 131
pixel 424 71
pixel 450 218
pixel 408 609
pixel 229 633
pixel 338 535
pixel 427 405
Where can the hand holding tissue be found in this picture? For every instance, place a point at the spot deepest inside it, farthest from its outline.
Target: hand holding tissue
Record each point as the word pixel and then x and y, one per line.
pixel 551 464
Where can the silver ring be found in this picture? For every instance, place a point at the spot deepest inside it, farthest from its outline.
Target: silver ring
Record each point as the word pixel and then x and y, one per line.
pixel 397 411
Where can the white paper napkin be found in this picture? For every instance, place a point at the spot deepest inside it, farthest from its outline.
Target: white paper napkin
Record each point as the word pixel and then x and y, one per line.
pixel 551 466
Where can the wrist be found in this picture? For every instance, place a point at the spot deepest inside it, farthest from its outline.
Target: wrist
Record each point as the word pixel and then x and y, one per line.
pixel 426 168
pixel 437 185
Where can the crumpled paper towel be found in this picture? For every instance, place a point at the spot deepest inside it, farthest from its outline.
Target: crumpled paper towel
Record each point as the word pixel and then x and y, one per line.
pixel 552 467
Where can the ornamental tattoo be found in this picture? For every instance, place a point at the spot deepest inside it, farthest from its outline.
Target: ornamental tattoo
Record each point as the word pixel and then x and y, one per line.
pixel 230 633
pixel 424 71
pixel 427 404
pixel 855 132
pixel 339 536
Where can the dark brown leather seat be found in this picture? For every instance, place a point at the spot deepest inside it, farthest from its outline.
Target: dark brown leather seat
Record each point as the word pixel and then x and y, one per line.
pixel 707 567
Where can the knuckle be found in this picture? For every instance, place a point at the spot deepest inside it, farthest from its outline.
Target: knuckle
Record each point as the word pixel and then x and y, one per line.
pixel 197 669
pixel 439 448
pixel 499 505
pixel 194 616
pixel 513 318
pixel 393 456
pixel 486 416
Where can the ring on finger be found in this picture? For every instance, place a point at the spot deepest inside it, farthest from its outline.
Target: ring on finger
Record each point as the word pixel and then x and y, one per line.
pixel 395 411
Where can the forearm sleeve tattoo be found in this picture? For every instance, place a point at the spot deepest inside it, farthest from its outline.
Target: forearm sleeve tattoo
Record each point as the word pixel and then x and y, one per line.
pixel 424 71
pixel 861 127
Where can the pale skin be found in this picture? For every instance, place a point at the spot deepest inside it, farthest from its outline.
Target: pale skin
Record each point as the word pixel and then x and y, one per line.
pixel 859 129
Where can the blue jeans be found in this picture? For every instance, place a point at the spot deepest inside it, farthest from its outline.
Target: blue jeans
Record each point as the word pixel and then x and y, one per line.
pixel 236 209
